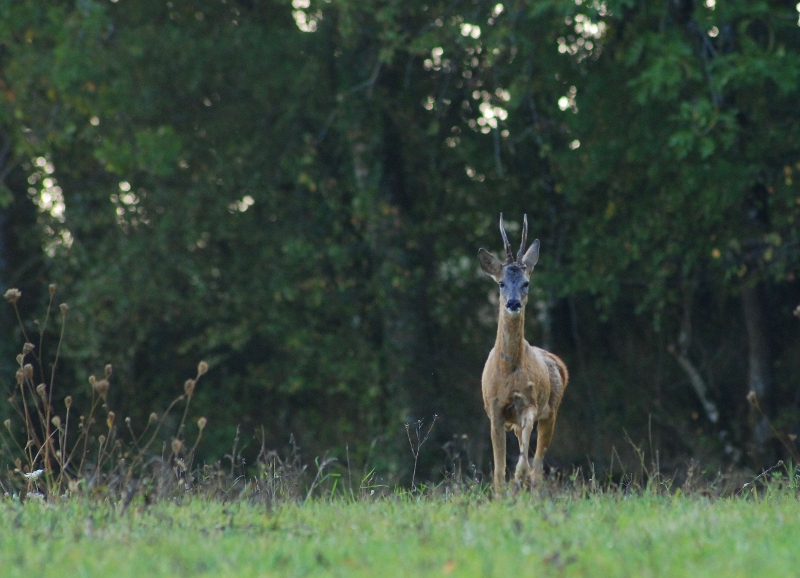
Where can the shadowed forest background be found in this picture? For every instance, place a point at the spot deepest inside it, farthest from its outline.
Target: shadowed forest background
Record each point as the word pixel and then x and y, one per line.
pixel 296 192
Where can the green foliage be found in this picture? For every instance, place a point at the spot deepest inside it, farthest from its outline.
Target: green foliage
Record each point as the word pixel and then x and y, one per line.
pixel 297 195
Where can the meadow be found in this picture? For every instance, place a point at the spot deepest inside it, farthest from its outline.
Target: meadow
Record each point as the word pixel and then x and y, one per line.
pixel 553 533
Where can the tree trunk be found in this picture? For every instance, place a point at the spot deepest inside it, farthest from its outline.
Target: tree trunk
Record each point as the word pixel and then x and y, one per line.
pixel 400 268
pixel 759 371
pixel 681 353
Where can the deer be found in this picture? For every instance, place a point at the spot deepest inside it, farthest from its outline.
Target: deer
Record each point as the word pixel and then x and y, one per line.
pixel 522 385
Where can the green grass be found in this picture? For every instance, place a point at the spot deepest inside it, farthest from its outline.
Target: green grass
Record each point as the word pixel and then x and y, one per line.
pixel 607 534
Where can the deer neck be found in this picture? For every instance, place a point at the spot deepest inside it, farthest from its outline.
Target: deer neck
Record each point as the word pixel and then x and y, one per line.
pixel 510 343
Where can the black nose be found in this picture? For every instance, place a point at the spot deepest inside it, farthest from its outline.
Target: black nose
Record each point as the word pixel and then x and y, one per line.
pixel 513 305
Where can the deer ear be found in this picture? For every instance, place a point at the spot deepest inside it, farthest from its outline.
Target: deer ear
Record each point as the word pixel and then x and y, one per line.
pixel 490 264
pixel 531 256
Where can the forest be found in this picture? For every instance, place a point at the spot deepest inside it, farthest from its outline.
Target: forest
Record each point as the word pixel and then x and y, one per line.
pixel 296 192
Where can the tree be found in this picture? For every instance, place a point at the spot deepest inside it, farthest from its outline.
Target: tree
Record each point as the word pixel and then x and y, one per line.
pixel 695 191
pixel 298 194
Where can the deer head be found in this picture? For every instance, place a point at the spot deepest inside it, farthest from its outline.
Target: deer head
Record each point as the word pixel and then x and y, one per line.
pixel 513 276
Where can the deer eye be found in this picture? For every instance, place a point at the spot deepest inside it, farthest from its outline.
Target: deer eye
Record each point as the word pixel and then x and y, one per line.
pixel 502 285
pixel 525 285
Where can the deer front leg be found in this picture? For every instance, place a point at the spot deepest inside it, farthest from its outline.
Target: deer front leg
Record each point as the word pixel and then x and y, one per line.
pixel 527 418
pixel 544 437
pixel 499 450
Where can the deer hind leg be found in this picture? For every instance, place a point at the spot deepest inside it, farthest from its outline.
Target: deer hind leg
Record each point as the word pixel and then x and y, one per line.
pixel 547 419
pixel 527 418
pixel 544 437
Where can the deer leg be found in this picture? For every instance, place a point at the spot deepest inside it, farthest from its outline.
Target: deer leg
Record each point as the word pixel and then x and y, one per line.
pixel 523 431
pixel 499 450
pixel 545 436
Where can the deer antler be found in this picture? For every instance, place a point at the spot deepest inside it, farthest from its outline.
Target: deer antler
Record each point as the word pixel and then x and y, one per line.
pixel 524 239
pixel 509 252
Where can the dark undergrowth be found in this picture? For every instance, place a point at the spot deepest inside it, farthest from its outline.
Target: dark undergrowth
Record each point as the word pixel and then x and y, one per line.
pixel 55 451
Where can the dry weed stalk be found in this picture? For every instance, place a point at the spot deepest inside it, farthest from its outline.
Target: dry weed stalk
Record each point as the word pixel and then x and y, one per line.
pixel 415 447
pixel 52 459
pixel 786 441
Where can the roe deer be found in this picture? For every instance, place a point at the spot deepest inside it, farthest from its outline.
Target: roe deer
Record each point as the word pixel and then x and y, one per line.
pixel 521 384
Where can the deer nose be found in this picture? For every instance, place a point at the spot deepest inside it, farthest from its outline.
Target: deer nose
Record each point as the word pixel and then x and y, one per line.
pixel 513 305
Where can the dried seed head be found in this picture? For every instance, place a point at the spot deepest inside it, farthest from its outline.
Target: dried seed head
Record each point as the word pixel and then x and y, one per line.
pixel 752 398
pixel 101 387
pixel 20 358
pixel 102 440
pixel 56 421
pixel 92 379
pixel 153 418
pixel 797 311
pixel 68 401
pixel 12 295
pixel 202 367
pixel 27 370
pixel 20 376
pixel 176 446
pixel 108 370
pixel 27 348
pixel 52 289
pixel 188 387
pixel 41 390
pixel 7 423
pixel 128 421
pixel 63 307
pixel 110 420
pixel 201 423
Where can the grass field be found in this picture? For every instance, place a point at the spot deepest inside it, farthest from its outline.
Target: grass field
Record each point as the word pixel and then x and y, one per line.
pixel 562 534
